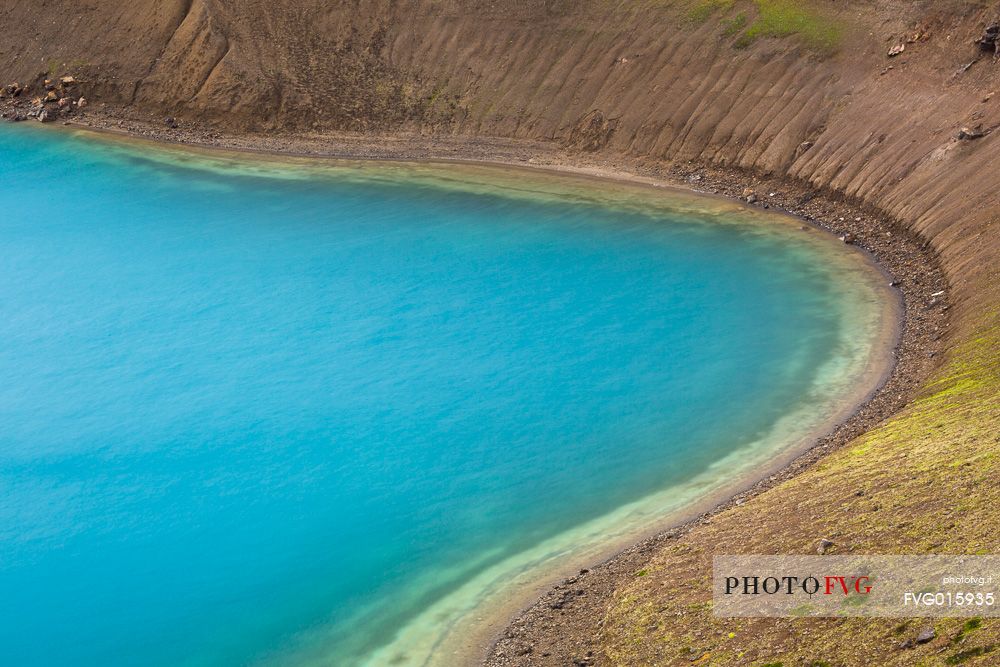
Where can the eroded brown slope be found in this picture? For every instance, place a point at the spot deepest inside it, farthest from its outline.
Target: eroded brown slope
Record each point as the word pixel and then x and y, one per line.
pixel 526 68
pixel 643 82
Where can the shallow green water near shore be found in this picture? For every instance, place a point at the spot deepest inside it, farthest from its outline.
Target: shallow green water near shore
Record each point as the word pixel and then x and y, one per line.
pixel 279 413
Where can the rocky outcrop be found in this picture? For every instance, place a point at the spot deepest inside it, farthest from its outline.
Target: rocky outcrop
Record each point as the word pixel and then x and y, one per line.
pixel 56 99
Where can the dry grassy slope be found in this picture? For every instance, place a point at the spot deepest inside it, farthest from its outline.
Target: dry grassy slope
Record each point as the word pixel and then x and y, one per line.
pixel 639 78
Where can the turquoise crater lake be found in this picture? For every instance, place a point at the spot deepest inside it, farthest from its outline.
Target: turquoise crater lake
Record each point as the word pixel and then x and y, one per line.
pixel 280 412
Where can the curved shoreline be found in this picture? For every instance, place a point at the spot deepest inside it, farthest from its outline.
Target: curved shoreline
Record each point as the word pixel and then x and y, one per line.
pixel 901 377
pixel 923 321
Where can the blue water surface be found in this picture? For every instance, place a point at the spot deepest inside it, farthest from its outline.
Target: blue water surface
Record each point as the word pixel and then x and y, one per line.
pixel 237 409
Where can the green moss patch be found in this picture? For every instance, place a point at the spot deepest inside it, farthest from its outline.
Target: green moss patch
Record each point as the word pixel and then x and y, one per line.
pixel 774 18
pixel 783 18
pixel 959 658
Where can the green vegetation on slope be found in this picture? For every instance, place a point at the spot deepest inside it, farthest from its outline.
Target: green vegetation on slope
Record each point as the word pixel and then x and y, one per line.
pixel 774 18
pixel 922 483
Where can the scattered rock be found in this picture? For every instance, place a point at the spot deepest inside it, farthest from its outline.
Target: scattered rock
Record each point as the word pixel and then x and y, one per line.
pixel 848 238
pixel 896 50
pixel 44 116
pixel 64 102
pixel 824 546
pixel 749 195
pixel 693 654
pixel 926 635
pixel 921 34
pixel 67 80
pixel 906 644
pixel 967 134
pixel 964 68
pixel 82 102
pixel 51 96
pixel 170 122
pixel 564 599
